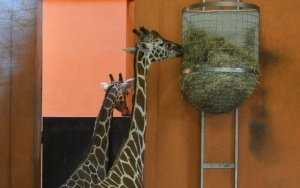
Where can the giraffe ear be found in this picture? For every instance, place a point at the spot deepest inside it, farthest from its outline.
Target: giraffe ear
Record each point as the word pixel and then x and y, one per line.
pixel 130 50
pixel 104 86
pixel 128 83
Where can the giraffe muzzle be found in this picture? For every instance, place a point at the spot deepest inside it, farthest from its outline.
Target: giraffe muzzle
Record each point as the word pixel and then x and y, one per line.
pixel 179 50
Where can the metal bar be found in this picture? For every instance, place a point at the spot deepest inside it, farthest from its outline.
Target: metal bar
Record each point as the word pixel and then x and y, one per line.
pixel 218 69
pixel 202 148
pixel 236 137
pixel 202 138
pixel 218 165
pixel 236 155
pixel 221 4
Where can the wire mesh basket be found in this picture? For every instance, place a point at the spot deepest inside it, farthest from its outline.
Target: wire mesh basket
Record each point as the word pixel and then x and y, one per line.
pixel 220 66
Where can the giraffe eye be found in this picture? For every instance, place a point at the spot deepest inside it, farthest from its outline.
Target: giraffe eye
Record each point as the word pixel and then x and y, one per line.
pixel 161 44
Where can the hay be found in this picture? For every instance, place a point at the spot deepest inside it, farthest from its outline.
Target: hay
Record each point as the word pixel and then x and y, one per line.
pixel 216 92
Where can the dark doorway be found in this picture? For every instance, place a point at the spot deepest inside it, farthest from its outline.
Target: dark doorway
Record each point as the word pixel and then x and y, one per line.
pixel 65 141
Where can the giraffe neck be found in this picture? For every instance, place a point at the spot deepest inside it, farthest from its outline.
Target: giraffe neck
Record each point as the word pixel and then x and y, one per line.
pixel 94 166
pixel 127 169
pixel 102 124
pixel 139 108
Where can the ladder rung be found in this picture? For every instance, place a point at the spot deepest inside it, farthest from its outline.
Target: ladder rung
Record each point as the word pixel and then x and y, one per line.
pixel 218 165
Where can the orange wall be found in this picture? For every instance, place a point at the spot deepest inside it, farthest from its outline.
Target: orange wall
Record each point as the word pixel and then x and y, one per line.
pixel 269 128
pixel 82 44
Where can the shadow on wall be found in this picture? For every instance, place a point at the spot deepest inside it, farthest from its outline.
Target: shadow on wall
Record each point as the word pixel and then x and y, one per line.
pixel 263 144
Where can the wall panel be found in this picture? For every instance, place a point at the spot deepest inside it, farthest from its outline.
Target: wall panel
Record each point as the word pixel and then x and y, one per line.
pixel 17 93
pixel 268 120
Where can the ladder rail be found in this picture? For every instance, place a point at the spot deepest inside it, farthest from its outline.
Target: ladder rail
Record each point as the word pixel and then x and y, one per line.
pixel 236 146
pixel 219 165
pixel 202 148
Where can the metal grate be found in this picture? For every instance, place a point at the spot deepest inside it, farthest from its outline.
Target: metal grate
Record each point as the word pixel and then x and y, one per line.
pixel 239 26
pixel 237 23
pixel 221 52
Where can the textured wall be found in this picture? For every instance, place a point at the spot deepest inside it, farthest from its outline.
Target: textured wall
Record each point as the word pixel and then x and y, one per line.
pixel 17 93
pixel 268 149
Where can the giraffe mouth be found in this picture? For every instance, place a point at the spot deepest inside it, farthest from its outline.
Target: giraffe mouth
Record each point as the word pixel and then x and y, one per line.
pixel 180 52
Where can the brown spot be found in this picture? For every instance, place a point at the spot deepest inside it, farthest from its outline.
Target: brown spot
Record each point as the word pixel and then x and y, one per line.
pixel 115 177
pixel 128 182
pixel 140 67
pixel 140 56
pixel 139 182
pixel 101 132
pixel 93 160
pixel 139 120
pixel 140 100
pixel 86 184
pixel 108 102
pixel 86 169
pixel 128 169
pixel 93 169
pixel 71 183
pixel 103 114
pixel 132 145
pixel 80 183
pixel 99 153
pixel 94 176
pixel 141 83
pixel 113 181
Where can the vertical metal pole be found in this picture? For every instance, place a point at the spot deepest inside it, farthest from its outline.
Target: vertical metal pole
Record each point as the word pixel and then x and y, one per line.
pixel 236 151
pixel 202 148
pixel 202 136
pixel 236 137
pixel 237 8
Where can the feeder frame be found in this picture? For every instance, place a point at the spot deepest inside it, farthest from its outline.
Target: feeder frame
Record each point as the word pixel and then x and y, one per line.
pixel 203 164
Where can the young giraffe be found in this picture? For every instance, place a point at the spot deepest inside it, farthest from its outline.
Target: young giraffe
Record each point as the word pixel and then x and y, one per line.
pixel 93 169
pixel 127 170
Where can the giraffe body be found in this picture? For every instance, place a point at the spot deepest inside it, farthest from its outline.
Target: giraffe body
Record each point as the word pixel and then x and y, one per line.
pixel 127 170
pixel 94 167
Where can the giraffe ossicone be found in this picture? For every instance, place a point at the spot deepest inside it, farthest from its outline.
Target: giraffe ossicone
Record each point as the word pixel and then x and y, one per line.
pixel 127 170
pixel 94 167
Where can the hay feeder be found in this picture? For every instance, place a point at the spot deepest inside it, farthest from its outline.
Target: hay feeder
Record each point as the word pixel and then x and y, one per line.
pixel 220 66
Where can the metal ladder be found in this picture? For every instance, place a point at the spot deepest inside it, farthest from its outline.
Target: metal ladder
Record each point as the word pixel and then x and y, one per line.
pixel 234 165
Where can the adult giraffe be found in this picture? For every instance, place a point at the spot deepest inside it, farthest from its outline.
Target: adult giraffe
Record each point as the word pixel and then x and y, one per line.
pixel 127 170
pixel 94 167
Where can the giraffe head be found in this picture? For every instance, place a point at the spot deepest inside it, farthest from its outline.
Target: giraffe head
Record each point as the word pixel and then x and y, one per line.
pixel 121 92
pixel 154 46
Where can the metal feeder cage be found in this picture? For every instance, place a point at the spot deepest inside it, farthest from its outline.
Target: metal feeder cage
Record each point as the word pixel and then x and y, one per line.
pixel 220 66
